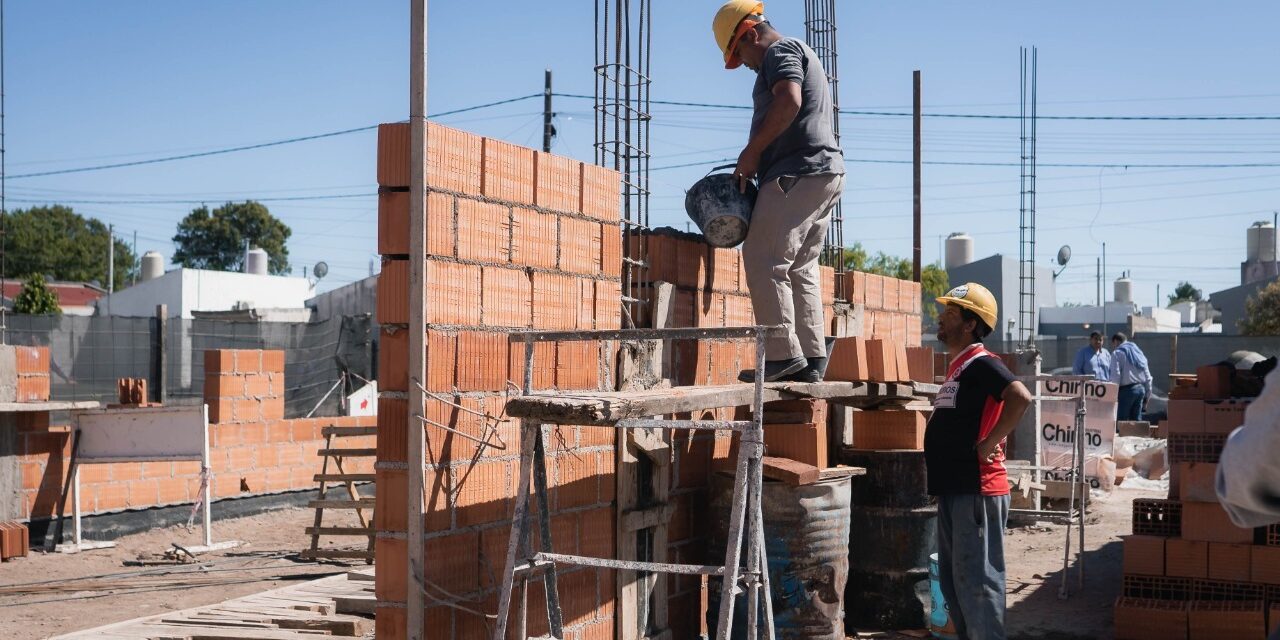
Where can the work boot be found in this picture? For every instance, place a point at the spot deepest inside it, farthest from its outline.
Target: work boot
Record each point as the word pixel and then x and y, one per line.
pixel 813 371
pixel 775 369
pixel 816 368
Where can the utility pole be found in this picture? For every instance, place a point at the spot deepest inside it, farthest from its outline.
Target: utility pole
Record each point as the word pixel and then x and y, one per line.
pixel 547 130
pixel 1104 298
pixel 111 259
pixel 134 279
pixel 1098 278
pixel 915 176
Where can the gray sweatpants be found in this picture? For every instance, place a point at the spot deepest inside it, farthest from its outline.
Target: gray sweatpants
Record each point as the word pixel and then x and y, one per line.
pixel 780 255
pixel 971 562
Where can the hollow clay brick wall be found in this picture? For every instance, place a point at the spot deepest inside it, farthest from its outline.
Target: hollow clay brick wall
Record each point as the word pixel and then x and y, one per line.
pixel 253 450
pixel 516 239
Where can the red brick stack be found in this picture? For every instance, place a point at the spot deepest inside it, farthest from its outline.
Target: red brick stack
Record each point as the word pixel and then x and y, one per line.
pixel 14 540
pixel 516 239
pixel 892 306
pixel 1190 572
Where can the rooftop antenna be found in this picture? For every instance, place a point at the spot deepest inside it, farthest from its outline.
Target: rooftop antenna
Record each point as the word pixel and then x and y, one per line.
pixel 1064 256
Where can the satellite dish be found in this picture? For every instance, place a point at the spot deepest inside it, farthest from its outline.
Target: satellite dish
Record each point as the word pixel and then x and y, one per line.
pixel 1064 255
pixel 320 270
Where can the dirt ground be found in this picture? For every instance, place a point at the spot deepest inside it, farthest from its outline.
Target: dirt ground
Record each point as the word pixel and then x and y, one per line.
pixel 1033 556
pixel 1033 561
pixel 266 562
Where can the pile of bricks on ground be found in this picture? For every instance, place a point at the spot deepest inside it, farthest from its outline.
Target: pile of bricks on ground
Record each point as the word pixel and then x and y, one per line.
pixel 253 451
pixel 14 540
pixel 515 239
pixel 1188 571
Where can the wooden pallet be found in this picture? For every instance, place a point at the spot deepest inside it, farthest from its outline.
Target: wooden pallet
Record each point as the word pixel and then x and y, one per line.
pixel 319 608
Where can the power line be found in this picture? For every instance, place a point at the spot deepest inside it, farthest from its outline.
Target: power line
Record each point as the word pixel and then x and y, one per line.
pixel 197 201
pixel 1075 165
pixel 970 116
pixel 262 145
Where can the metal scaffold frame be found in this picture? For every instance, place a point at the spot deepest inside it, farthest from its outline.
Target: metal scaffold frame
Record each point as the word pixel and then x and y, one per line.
pixel 622 65
pixel 820 35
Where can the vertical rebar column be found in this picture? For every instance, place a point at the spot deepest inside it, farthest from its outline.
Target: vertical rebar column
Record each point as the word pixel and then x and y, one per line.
pixel 1027 200
pixel 820 35
pixel 622 101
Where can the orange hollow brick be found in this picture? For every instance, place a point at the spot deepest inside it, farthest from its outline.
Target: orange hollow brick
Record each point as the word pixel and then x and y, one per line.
pixel 506 299
pixel 580 248
pixel 508 172
pixel 484 231
pixel 558 182
pixel 453 293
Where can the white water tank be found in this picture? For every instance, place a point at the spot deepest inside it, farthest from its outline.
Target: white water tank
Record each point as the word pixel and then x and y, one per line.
pixel 959 249
pixel 1124 289
pixel 152 265
pixel 256 262
pixel 1260 242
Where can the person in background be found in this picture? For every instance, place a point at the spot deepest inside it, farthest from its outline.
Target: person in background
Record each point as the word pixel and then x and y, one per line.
pixel 1093 360
pixel 1129 370
pixel 978 405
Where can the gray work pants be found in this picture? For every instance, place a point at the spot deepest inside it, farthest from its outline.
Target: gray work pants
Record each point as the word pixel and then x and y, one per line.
pixel 971 562
pixel 780 256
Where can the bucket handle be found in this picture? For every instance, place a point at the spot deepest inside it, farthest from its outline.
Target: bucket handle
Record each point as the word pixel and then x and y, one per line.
pixel 723 166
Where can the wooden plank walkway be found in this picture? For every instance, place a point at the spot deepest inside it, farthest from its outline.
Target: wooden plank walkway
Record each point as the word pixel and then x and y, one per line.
pixel 298 612
pixel 605 408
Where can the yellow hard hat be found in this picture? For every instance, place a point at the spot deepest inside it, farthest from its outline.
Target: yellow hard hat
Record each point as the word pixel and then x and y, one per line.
pixel 726 25
pixel 974 297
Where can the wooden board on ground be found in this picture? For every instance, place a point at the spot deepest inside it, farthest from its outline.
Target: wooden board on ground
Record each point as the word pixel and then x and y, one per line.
pixel 296 612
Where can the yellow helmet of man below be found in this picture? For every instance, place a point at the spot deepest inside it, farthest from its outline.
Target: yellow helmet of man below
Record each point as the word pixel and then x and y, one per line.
pixel 974 297
pixel 730 23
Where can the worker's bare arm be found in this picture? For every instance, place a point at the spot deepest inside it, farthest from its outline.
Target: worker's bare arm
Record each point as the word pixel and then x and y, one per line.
pixel 1016 399
pixel 782 112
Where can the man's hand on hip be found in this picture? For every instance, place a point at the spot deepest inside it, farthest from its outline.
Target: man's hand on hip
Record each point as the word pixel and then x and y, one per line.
pixel 748 165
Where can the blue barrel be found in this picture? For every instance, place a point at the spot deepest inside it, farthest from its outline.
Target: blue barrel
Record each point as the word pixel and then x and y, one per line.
pixel 940 624
pixel 893 529
pixel 719 207
pixel 806 533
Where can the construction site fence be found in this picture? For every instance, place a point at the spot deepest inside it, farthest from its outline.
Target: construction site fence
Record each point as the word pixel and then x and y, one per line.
pixel 89 353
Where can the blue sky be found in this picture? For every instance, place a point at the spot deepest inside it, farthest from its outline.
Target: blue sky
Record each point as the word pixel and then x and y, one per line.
pixel 91 83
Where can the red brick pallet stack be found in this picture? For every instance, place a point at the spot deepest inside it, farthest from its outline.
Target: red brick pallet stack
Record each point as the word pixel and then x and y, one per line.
pixel 1188 571
pixel 516 239
pixel 14 540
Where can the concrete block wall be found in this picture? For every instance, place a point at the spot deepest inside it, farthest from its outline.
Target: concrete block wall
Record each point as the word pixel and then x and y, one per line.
pixel 516 239
pixel 250 452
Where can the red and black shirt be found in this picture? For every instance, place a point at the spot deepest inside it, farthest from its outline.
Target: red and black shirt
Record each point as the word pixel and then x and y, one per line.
pixel 965 411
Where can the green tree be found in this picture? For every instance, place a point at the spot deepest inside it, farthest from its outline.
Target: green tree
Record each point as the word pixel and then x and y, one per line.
pixel 1262 312
pixel 215 239
pixel 1184 292
pixel 933 278
pixel 59 243
pixel 36 298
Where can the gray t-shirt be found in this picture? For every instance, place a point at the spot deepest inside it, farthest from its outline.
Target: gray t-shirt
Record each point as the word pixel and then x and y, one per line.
pixel 808 146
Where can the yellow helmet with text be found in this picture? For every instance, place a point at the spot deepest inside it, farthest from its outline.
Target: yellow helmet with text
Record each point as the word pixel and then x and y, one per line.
pixel 731 21
pixel 976 298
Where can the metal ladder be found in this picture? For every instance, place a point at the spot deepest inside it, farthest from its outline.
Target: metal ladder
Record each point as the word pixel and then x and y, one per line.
pixel 745 514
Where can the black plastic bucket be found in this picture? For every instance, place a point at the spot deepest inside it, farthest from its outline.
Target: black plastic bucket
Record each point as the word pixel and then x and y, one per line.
pixel 721 211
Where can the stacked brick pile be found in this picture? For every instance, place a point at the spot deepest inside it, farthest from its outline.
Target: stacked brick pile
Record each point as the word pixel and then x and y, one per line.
pixel 14 540
pixel 252 451
pixel 1190 572
pixel 516 239
pixel 892 306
